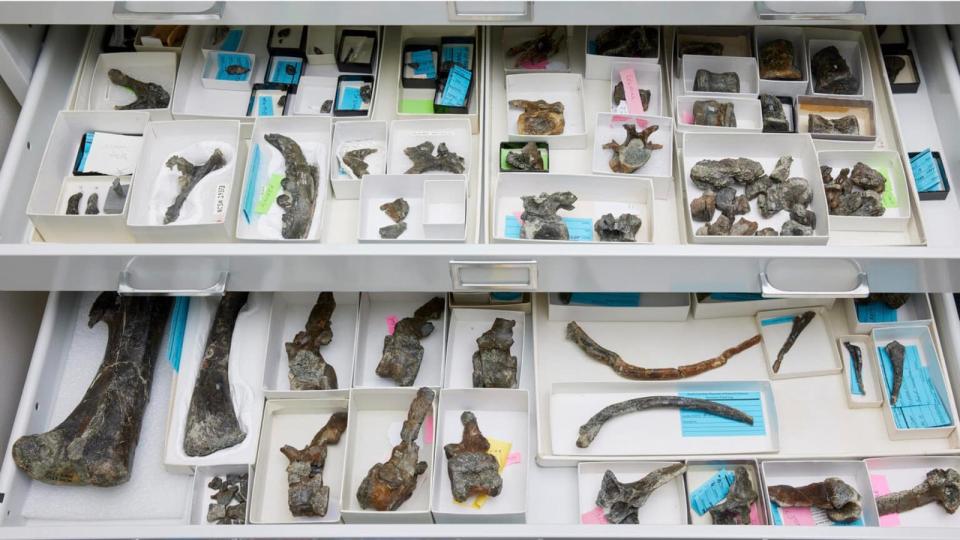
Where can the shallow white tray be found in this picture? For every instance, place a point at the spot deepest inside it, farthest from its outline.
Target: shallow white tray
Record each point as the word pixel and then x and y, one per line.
pixel 801 473
pixel 202 493
pixel 872 395
pixel 344 186
pixel 897 474
pixel 889 164
pixel 455 132
pixel 814 351
pixel 700 472
pixel 648 78
pixel 566 88
pixel 515 35
pixel 744 67
pixel 377 189
pixel 747 110
pixel 665 506
pixel 765 34
pixel 916 311
pixel 466 326
pixel 148 67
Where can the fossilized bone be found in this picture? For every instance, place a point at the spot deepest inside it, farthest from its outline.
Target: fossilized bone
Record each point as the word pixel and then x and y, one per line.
pixel 620 501
pixel 307 368
pixel 941 486
pixel 306 493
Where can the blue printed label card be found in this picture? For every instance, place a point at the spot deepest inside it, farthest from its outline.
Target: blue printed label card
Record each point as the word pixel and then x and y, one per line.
pixel 921 397
pixel 581 222
pixel 812 351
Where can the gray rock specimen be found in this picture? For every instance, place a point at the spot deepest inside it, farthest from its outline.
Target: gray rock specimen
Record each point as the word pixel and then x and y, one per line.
pixel 73 204
pixel 778 62
pixel 93 202
pixel 752 191
pixel 767 231
pixel 307 368
pixel 396 210
pixel 300 185
pixel 734 509
pixel 839 499
pixel 703 207
pixel 539 117
pixel 845 125
pixel 148 95
pixel 894 65
pixel 402 351
pixel 781 171
pixel 713 175
pixel 527 159
pixel 307 496
pixel 230 500
pixel 941 486
pixel 720 227
pixel 391 232
pixel 190 176
pixel 707 81
pixel 95 444
pixel 540 219
pixel 635 150
pixel 623 228
pixel 867 178
pixel 831 74
pixel 424 161
pixel 785 195
pixel 803 215
pixel 212 422
pixel 792 228
pixel 743 227
pixel 620 502
pixel 714 113
pixel 730 204
pixel 493 366
pixel 472 470
pixel 116 198
pixel 327 105
pixel 774 117
pixel 355 160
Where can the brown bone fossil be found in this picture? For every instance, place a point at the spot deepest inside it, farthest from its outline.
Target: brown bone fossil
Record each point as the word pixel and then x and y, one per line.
pixel 472 470
pixel 306 493
pixel 941 486
pixel 308 369
pixel 839 499
pixel 799 323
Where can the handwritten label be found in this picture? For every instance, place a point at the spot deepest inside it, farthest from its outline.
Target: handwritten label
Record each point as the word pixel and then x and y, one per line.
pixel 109 154
pixel 605 299
pixel 458 54
pixel 881 487
pixel 514 458
pixel 392 321
pixel 219 202
pixel 269 195
pixel 350 99
pixel 875 312
pixel 702 424
pixel 777 320
pixel 889 197
pixel 264 106
pixel 631 91
pixel 232 41
pixel 530 64
pixel 926 171
pixel 456 88
pixel 423 64
pixel 594 517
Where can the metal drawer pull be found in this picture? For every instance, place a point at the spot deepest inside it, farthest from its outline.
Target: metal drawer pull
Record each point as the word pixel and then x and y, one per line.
pixel 128 12
pixel 861 290
pixel 766 11
pixel 490 11
pixel 491 268
pixel 217 289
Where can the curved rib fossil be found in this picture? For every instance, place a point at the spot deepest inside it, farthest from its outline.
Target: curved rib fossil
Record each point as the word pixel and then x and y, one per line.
pixel 629 371
pixel 589 431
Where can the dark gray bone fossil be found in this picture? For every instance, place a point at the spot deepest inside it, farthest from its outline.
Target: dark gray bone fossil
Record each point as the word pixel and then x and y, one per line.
pixel 308 369
pixel 589 431
pixel 539 49
pixel 472 470
pixel 895 352
pixel 540 219
pixel 623 228
pixel 891 300
pixel 894 65
pixel 424 161
pixel 777 61
pixel 527 159
pixel 619 94
pixel 635 150
pixel 857 356
pixel 831 74
pixel 707 81
pixel 730 204
pixel 493 367
pixel 774 117
pixel 190 176
pixel 701 48
pixel 300 185
pixel 391 232
pixel 73 204
pixel 95 444
pixel 306 493
pixel 388 485
pixel 714 113
pixel 721 227
pixel 709 174
pixel 355 160
pixel 620 502
pixel 866 177
pixel 629 41
pixel 839 499
pixel 148 95
pixel 799 323
pixel 941 486
pixel 116 198
pixel 781 171
pixel 92 205
pixel 230 506
pixel 212 422
pixel 846 125
pixel 734 509
pixel 402 351
pixel 539 117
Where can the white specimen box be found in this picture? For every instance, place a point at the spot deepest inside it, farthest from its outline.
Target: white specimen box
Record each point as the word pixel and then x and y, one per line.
pixel 653 307
pixel 47 204
pixel 597 195
pixel 503 415
pixel 766 149
pixel 813 352
pixel 202 492
pixel 598 65
pixel 505 301
pixel 211 70
pixel 312 134
pixel 313 93
pixel 515 35
pixel 567 88
pixel 659 168
pixel 146 67
pixel 833 108
pixel 288 316
pixel 245 374
pixel 765 34
pixel 700 472
pixel 745 68
pixel 350 136
pixel 152 44
pixel 802 473
pixel 378 312
pixel 892 474
pixel 849 50
pixel 376 416
pixel 210 210
pixel 710 308
pixel 890 165
pixel 430 197
pixel 735 40
pixel 916 311
pixel 454 132
pixel 665 506
pixel 466 326
pixel 747 111
pixel 295 422
pixel 648 77
pixel 869 395
pixel 321 45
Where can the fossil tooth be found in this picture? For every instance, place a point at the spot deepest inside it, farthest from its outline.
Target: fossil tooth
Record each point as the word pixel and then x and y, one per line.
pixel 73 204
pixel 707 81
pixel 306 493
pixel 621 501
pixel 308 369
pixel 300 185
pixel 839 499
pixel 831 74
pixel 471 469
pixel 424 161
pixel 734 509
pixel 527 159
pixel 857 356
pixel 895 352
pixel 941 486
pixel 92 205
pixel 402 351
pixel 635 150
pixel 799 323
pixel 540 219
pixel 539 117
pixel 493 367
pixel 623 228
pixel 148 95
pixel 190 176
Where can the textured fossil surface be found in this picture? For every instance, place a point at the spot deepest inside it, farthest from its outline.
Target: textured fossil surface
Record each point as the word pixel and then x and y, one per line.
pixel 708 81
pixel 619 94
pixel 306 493
pixel 396 210
pixel 190 176
pixel 95 444
pixel 743 227
pixel 799 323
pixel 891 300
pixel 778 61
pixel 623 228
pixel 591 428
pixel 894 65
pixel 781 171
pixel 527 159
pixel 391 232
pixel 714 113
pixel 709 174
pixel 895 352
pixel 92 205
pixel 734 509
pixel 300 184
pixel 774 117
pixel 635 150
pixel 785 196
pixel 701 48
pixel 839 499
pixel 845 125
pixel 116 198
pixel 402 351
pixel 212 422
pixel 148 95
pixel 941 486
pixel 621 501
pixel 721 227
pixel 355 160
pixel 388 485
pixel 857 356
pixel 856 193
pixel 425 161
pixel 539 117
pixel 629 41
pixel 493 366
pixel 703 207
pixel 831 74
pixel 730 204
pixel 472 470
pixel 230 500
pixel 540 219
pixel 73 204
pixel 307 368
pixel 539 49
pixel 237 69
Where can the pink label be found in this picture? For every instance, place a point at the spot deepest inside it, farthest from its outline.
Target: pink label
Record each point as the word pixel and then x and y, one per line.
pixel 797 516
pixel 631 90
pixel 617 120
pixel 881 487
pixel 428 430
pixel 527 64
pixel 513 457
pixel 594 517
pixel 686 117
pixel 391 323
pixel 755 515
pixel 517 215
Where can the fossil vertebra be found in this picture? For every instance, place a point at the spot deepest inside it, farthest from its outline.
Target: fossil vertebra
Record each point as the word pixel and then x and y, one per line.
pixel 857 356
pixel 734 509
pixel 895 352
pixel 540 219
pixel 300 185
pixel 306 493
pixel 527 159
pixel 635 150
pixel 424 161
pixel 839 499
pixel 846 125
pixel 539 49
pixel 148 95
pixel 308 369
pixel 707 81
pixel 714 113
pixel 941 486
pixel 799 323
pixel 95 444
pixel 190 176
pixel 831 74
pixel 539 117
pixel 212 422
pixel 493 367
pixel 472 470
pixel 776 60
pixel 621 501
pixel 620 94
pixel 73 204
pixel 402 351
pixel 623 228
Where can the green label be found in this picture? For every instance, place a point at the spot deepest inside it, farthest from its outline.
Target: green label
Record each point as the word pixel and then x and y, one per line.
pixel 270 192
pixel 889 197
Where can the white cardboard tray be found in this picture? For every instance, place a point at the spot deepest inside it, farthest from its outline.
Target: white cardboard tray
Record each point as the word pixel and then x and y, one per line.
pixel 666 505
pixel 466 326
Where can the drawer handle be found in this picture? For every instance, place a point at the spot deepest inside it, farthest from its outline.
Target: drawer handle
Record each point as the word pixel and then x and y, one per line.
pixel 489 11
pixel 861 290
pixel 509 268
pixel 217 289
pixel 766 12
pixel 125 11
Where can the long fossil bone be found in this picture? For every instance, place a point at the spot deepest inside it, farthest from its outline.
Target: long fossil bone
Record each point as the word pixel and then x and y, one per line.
pixel 839 499
pixel 941 486
pixel 620 501
pixel 799 323
pixel 307 368
pixel 300 187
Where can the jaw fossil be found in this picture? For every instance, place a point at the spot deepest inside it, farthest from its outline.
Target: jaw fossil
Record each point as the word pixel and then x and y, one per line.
pixel 941 486
pixel 149 95
pixel 190 176
pixel 306 493
pixel 300 185
pixel 799 323
pixel 308 369
pixel 621 501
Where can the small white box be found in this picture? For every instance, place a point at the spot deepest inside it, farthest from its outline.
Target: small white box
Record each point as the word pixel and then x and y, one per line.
pixel 665 506
pixel 288 316
pixel 314 95
pixel 597 195
pixel 444 208
pixel 312 135
pixel 916 311
pixel 833 108
pixel 321 45
pixel 378 313
pixel 765 34
pixel 748 113
pixel 648 77
pixel 466 326
pixel 598 66
pixel 745 68
pixel 706 307
pixel 700 472
pixel 152 67
pixel 567 88
pixel 377 190
pixel 849 50
pixel 505 301
pixel 349 136
pixel 653 307
pixel 146 43
pixel 869 395
pixel 373 429
pixel 209 212
pixel 896 217
pixel 892 474
pixel 294 422
pixel 203 494
pixel 813 353
pixel 455 132
pixel 801 473
pixel 501 415
pixel 734 40
pixel 225 38
pixel 659 167
pixel 216 70
pixel 515 35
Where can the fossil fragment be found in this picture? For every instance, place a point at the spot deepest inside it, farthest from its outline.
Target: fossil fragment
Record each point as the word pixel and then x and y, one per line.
pixel 392 232
pixel 493 367
pixel 620 502
pixel 148 95
pixel 895 352
pixel 619 94
pixel 714 113
pixel 703 207
pixel 230 500
pixel 396 210
pixel 730 204
pixel 95 444
pixel 831 74
pixel 803 216
pixel 306 493
pixel 472 470
pixel 212 422
pixel 539 49
pixel 623 228
pixel 527 159
pixel 355 160
pixel 941 486
pixel 300 185
pixel 774 117
pixel 846 125
pixel 856 355
pixel 701 48
pixel 868 178
pixel 708 81
pixel 388 485
pixel 402 351
pixel 116 198
pixel 73 204
pixel 589 430
pixel 237 69
pixel 781 171
pixel 891 300
pixel 424 161
pixel 190 176
pixel 734 509
pixel 327 106
pixel 743 227
pixel 777 61
pixel 767 231
pixel 792 228
pixel 92 205
pixel 540 219
pixel 859 203
pixel 894 65
pixel 539 117
pixel 799 323
pixel 795 191
pixel 720 227
pixel 635 150
pixel 366 92
pixel 709 174
pixel 839 499
pixel 307 368
pixel 628 41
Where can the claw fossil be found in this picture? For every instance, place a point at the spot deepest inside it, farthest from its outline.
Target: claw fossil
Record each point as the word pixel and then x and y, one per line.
pixel 621 501
pixel 941 486
pixel 308 369
pixel 300 185
pixel 799 323
pixel 149 95
pixel 190 176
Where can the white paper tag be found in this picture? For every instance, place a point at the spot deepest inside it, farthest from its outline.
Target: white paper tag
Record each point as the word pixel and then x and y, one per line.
pixel 111 154
pixel 220 202
pixel 150 41
pixel 622 108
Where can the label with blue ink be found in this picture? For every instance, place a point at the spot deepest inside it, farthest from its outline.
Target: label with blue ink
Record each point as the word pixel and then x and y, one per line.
pixel 918 404
pixel 350 99
pixel 875 312
pixel 711 492
pixel 701 424
pixel 926 171
pixel 264 106
pixel 423 64
pixel 458 54
pixel 456 88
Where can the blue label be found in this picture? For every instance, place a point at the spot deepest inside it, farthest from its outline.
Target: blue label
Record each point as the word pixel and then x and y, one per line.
pixel 702 424
pixel 458 54
pixel 423 63
pixel 456 88
pixel 178 326
pixel 249 197
pixel 232 41
pixel 578 229
pixel 350 99
pixel 777 320
pixel 265 106
pixel 606 299
pixel 227 60
pixel 85 151
pixel 854 385
pixel 711 492
pixel 286 71
pixel 918 404
pixel 926 172
pixel 875 312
